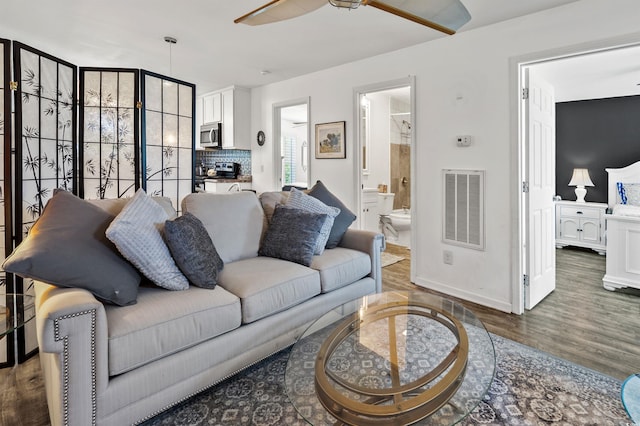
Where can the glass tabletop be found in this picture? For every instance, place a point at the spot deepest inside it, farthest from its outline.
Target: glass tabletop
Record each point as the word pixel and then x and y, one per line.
pixel 391 358
pixel 630 394
pixel 10 319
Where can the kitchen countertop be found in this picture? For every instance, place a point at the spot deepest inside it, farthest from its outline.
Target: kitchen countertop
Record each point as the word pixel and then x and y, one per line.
pixel 241 178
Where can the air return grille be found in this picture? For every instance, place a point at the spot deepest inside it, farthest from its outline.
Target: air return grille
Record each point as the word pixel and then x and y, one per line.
pixel 463 214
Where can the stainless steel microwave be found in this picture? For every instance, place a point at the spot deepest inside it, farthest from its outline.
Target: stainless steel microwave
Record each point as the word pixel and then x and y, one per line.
pixel 211 135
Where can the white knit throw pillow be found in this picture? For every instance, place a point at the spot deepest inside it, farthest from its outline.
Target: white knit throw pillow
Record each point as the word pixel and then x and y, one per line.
pixel 137 233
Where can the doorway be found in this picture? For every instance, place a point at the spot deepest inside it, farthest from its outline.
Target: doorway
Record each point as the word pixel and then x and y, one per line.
pixel 385 134
pixel 572 60
pixel 291 154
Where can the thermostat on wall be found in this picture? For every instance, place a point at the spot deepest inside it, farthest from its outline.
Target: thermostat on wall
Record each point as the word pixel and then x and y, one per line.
pixel 463 140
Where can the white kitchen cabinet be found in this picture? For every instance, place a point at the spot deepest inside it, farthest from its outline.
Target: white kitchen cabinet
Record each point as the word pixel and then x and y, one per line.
pixel 214 186
pixel 236 118
pixel 581 225
pixel 232 107
pixel 211 107
pixel 369 217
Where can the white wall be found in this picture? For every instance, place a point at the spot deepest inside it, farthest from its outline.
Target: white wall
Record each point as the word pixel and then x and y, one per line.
pixel 462 87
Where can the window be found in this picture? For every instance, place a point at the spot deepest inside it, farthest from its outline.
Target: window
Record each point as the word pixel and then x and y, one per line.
pixel 288 160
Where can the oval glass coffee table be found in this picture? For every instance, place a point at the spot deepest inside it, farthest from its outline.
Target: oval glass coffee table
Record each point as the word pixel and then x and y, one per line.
pixel 391 358
pixel 10 320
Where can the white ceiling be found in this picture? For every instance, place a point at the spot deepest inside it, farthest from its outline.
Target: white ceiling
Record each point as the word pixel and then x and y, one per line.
pixel 212 51
pixel 604 74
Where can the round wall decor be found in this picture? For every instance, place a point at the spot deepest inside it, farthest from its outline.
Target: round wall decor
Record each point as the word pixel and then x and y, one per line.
pixel 261 138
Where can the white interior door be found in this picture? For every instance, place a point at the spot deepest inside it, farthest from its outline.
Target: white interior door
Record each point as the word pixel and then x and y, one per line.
pixel 540 142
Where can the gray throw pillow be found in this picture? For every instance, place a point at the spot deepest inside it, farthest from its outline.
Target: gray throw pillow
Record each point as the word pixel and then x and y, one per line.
pixel 137 233
pixel 67 247
pixel 342 222
pixel 193 251
pixel 292 235
pixel 299 200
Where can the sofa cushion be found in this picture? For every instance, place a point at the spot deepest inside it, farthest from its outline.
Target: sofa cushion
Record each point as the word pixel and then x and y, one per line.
pixel 293 235
pixel 137 232
pixel 299 200
pixel 192 250
pixel 342 222
pixel 266 285
pixel 115 205
pixel 67 247
pixel 341 266
pixel 164 322
pixel 233 220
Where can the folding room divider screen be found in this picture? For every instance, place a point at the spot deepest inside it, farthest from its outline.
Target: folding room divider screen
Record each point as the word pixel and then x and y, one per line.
pixel 109 132
pixel 6 344
pixel 45 149
pixel 106 161
pixel 167 139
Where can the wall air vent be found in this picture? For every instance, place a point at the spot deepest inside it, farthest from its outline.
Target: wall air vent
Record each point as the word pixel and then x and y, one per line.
pixel 463 215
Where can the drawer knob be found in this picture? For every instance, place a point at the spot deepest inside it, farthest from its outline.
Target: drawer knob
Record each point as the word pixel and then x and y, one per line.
pixel 578 212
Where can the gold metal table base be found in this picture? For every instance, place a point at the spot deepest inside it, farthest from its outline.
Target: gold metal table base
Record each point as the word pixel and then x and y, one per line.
pixel 401 404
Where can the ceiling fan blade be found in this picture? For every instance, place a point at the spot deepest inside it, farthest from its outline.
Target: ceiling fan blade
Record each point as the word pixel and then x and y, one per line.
pixel 279 10
pixel 446 16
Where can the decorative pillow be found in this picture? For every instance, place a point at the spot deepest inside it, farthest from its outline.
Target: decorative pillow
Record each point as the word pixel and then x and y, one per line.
pixel 193 251
pixel 269 200
pixel 137 232
pixel 342 222
pixel 299 200
pixel 67 247
pixel 292 235
pixel 632 194
pixel 623 196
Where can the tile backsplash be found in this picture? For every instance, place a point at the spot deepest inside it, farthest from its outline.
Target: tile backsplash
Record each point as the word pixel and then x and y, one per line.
pixel 208 157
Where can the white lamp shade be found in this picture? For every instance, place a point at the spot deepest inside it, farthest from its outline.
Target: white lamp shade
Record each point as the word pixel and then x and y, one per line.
pixel 580 178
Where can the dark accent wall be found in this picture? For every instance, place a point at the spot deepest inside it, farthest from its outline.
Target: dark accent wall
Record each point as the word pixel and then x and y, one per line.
pixel 595 134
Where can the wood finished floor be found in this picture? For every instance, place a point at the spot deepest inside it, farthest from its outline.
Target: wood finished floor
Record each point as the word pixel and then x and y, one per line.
pixel 580 321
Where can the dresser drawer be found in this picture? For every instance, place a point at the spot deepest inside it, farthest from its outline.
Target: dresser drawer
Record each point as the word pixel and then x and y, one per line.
pixel 580 212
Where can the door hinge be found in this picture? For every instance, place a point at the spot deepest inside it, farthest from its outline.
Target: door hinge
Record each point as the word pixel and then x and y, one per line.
pixel 525 93
pixel 525 280
pixel 13 85
pixel 525 186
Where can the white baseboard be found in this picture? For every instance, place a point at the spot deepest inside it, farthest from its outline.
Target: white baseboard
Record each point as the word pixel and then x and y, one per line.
pixel 465 295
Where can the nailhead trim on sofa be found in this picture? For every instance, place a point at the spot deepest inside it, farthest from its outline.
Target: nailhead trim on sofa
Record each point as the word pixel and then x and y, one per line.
pixel 65 391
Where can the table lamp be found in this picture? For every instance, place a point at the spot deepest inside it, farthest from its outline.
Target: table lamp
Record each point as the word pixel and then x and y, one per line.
pixel 580 179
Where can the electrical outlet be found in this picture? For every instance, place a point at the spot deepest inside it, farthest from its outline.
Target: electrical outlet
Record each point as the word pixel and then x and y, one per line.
pixel 447 257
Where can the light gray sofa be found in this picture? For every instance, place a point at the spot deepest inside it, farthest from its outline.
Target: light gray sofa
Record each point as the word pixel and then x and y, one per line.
pixel 110 365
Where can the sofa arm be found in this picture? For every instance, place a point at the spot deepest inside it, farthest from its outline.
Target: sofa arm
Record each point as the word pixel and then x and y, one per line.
pixel 373 244
pixel 73 341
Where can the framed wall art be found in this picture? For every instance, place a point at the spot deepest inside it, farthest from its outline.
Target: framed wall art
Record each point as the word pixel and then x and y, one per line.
pixel 331 140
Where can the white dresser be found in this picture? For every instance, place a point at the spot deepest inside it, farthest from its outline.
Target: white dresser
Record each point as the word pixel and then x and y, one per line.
pixel 581 224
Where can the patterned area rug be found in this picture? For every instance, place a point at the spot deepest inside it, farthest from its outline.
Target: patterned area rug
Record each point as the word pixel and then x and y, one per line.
pixel 387 259
pixel 530 387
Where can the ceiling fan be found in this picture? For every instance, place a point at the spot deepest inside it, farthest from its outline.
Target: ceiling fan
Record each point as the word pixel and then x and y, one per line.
pixel 446 16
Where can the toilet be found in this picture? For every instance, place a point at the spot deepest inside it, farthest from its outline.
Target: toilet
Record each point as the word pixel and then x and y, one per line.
pixel 400 219
pixel 396 224
pixel 385 203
